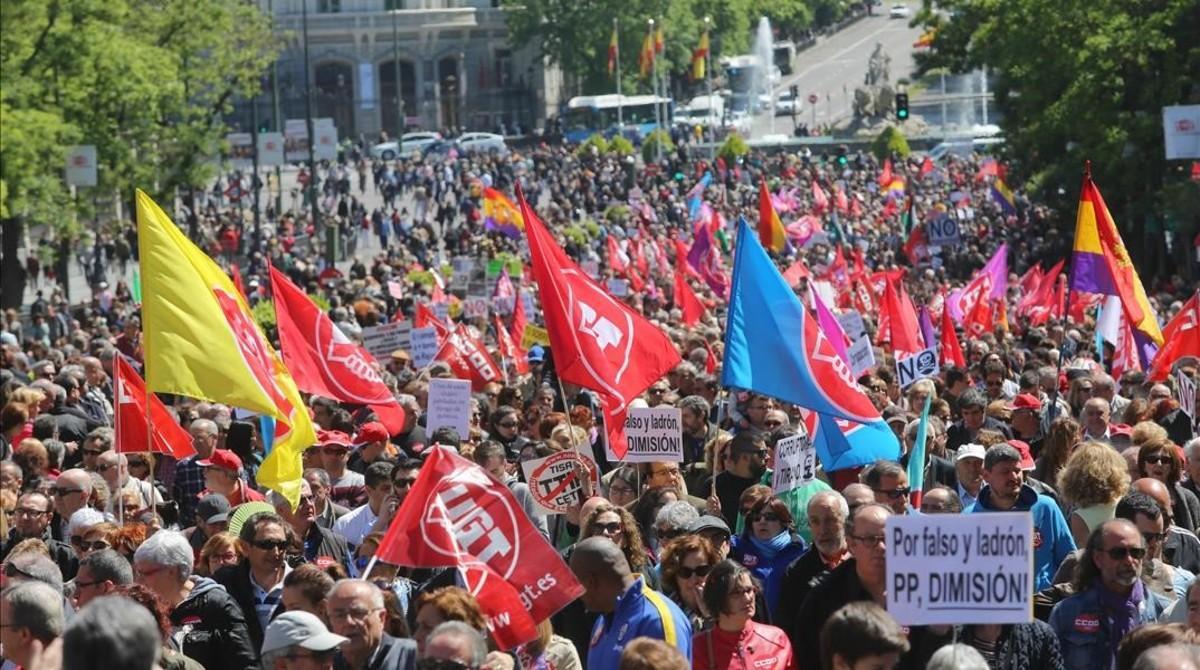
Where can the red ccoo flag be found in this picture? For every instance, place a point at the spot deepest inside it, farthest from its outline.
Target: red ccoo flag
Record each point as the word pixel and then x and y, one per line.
pixel 167 436
pixel 323 361
pixel 951 350
pixel 685 299
pixel 598 343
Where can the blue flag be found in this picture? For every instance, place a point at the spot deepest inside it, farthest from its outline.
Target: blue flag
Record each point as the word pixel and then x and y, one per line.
pixel 773 346
pixel 916 460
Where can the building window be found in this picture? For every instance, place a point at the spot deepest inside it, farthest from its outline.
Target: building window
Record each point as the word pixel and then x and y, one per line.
pixel 504 72
pixel 389 5
pixel 329 6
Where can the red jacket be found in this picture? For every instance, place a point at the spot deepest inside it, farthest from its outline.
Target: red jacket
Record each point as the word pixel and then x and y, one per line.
pixel 757 647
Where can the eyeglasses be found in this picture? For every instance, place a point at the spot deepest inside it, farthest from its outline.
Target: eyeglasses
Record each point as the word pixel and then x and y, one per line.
pixel 76 540
pixel 62 493
pixel 97 545
pixel 442 664
pixel 870 540
pixel 893 494
pixel 1157 460
pixel 699 571
pixel 670 472
pixel 507 424
pixel 1151 538
pixel 25 511
pixel 403 482
pixel 1121 553
pixel 271 545
pixel 767 517
pixel 610 528
pixel 620 490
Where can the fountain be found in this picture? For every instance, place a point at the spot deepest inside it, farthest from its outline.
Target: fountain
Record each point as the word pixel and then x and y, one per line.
pixel 764 51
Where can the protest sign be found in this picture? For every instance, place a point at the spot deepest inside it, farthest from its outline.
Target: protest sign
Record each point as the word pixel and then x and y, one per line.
pixel 534 335
pixel 795 463
pixel 916 366
pixel 449 405
pixel 463 266
pixel 862 356
pixel 424 346
pixel 381 341
pixel 618 287
pixel 1187 393
pixel 960 569
pixel 655 434
pixel 943 231
pixel 476 307
pixel 852 324
pixel 591 268
pixel 553 481
pixel 441 310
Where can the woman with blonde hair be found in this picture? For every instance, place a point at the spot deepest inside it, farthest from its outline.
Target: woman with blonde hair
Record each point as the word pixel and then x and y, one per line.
pixel 618 525
pixel 219 551
pixel 1094 479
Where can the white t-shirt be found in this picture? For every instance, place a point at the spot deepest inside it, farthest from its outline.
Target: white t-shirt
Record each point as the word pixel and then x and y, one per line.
pixel 356 524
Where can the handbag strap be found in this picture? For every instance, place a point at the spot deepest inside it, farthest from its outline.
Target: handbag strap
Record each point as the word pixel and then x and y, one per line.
pixel 712 659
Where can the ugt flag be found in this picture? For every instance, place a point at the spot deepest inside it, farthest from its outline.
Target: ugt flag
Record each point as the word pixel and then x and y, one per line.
pixel 166 435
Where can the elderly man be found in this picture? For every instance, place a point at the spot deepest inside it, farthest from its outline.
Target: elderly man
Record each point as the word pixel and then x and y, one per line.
pixel 328 511
pixel 968 472
pixel 457 642
pixel 32 520
pixel 1104 387
pixel 319 544
pixel 355 610
pixel 223 474
pixel 97 442
pixel 1094 418
pixel 212 624
pixel 863 576
pixel 189 474
pixel 827 512
pixel 113 632
pixel 299 641
pixel 627 607
pixel 31 618
pixel 71 492
pixel 100 573
pixel 114 468
pixel 889 483
pixel 1110 599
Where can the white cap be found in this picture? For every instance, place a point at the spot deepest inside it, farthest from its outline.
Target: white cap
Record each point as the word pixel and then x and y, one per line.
pixel 299 629
pixel 971 451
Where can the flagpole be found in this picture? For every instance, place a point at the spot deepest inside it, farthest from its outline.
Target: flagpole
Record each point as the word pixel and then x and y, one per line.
pixel 654 89
pixel 620 101
pixel 712 130
pixel 586 484
pixel 1066 315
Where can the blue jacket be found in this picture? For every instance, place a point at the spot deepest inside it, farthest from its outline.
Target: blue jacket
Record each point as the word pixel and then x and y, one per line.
pixel 1083 628
pixel 769 571
pixel 639 611
pixel 1051 535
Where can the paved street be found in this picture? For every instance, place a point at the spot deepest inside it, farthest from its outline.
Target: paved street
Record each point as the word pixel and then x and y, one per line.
pixel 837 64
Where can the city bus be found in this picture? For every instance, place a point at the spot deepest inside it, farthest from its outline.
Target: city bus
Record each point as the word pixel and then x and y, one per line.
pixel 589 114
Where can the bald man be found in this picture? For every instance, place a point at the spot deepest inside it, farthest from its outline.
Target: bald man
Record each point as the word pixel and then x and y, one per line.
pixel 857 495
pixel 627 607
pixel 1181 548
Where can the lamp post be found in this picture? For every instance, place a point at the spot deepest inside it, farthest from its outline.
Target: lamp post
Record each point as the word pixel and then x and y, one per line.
pixel 399 94
pixel 318 226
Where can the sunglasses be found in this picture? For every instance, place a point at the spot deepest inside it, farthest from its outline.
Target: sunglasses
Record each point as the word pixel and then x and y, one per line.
pixel 403 482
pixel 1121 553
pixel 769 518
pixel 1154 537
pixel 507 424
pixel 1157 460
pixel 894 494
pixel 658 391
pixel 610 528
pixel 698 571
pixel 271 545
pixel 98 545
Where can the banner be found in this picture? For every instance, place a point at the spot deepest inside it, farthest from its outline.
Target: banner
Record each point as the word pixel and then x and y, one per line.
pixel 916 366
pixel 449 405
pixel 943 231
pixel 382 340
pixel 655 435
pixel 795 463
pixel 1187 393
pixel 852 324
pixel 960 569
pixel 270 149
pixel 424 346
pixel 241 150
pixel 1181 131
pixel 457 515
pixel 554 482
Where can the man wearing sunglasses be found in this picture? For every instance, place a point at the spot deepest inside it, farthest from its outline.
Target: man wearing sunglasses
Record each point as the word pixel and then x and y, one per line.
pixel 71 492
pixel 256 582
pixel 1004 491
pixel 1110 598
pixel 319 545
pixel 299 641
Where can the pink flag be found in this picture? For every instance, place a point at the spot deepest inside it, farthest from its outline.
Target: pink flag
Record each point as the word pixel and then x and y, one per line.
pixel 830 326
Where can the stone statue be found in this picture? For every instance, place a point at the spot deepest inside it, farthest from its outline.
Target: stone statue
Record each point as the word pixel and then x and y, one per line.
pixel 878 66
pixel 876 97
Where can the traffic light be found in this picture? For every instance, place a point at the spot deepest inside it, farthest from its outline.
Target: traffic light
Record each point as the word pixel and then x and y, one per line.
pixel 842 160
pixel 902 106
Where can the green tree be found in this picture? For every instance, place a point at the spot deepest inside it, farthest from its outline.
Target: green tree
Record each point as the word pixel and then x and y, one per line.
pixel 890 142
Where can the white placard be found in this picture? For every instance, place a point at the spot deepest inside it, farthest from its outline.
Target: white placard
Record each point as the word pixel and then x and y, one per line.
pixel 1187 393
pixel 943 231
pixel 1181 131
pixel 618 287
pixel 241 150
pixel 825 290
pixel 326 146
pixel 862 356
pixel 916 366
pixel 553 482
pixel 295 140
pixel 795 463
pixel 655 435
pixel 852 324
pixel 449 405
pixel 960 568
pixel 270 149
pixel 381 341
pixel 424 346
pixel 476 307
pixel 366 84
pixel 442 311
pixel 81 165
pixel 591 268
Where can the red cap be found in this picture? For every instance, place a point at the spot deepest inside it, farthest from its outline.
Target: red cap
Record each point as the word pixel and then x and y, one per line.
pixel 1026 462
pixel 328 437
pixel 1122 429
pixel 1025 401
pixel 222 458
pixel 371 432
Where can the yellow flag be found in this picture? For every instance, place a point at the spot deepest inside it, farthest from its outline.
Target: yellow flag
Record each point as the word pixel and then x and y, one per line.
pixel 200 340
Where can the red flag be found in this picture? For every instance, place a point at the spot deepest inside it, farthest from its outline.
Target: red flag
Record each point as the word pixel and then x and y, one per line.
pixel 1038 304
pixel 235 273
pixel 518 321
pixel 685 299
pixel 681 254
pixel 618 261
pixel 915 247
pixel 508 348
pixel 898 322
pixel 423 317
pixel 926 167
pixel 976 305
pixel 710 361
pixel 638 255
pixel 1181 338
pixel 820 199
pixel 951 351
pixel 456 515
pixel 167 436
pixel 796 272
pixel 468 359
pixel 598 342
pixel 1031 280
pixel 323 361
pixel 886 177
pixel 842 203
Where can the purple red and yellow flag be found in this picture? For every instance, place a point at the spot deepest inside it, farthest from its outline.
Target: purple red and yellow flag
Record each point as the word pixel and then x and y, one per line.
pixel 1003 196
pixel 501 215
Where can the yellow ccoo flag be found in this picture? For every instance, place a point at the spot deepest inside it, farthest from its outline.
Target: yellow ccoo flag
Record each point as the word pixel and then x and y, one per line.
pixel 200 340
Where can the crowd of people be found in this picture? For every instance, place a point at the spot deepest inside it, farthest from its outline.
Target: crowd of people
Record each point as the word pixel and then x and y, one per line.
pixel 139 560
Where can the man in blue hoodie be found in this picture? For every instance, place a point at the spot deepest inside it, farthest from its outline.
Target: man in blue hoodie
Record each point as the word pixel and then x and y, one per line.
pixel 1004 491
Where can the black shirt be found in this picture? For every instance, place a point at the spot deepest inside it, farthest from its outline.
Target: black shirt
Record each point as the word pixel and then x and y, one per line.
pixel 729 490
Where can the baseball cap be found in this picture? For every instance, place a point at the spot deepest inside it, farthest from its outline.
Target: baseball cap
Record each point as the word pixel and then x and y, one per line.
pixel 971 451
pixel 999 453
pixel 300 629
pixel 709 522
pixel 536 354
pixel 222 458
pixel 1026 455
pixel 371 432
pixel 1024 401
pixel 213 508
pixel 328 437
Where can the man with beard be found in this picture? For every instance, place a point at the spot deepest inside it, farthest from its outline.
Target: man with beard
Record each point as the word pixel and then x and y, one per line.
pixel 1110 599
pixel 827 512
pixel 747 463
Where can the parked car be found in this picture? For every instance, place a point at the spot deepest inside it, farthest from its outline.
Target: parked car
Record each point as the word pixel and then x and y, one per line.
pixel 414 144
pixel 481 143
pixel 786 103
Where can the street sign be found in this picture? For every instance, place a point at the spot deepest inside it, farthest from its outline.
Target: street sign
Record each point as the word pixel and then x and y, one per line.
pixel 81 165
pixel 812 98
